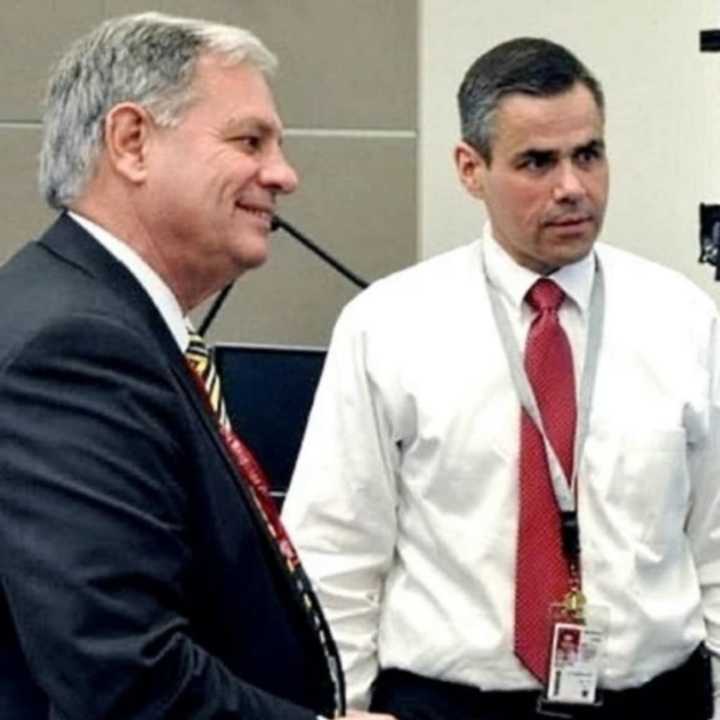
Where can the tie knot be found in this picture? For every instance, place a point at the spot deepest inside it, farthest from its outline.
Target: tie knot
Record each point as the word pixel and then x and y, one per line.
pixel 545 295
pixel 195 340
pixel 197 351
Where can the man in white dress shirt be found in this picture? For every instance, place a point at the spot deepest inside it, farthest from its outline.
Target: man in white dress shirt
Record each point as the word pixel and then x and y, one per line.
pixel 406 499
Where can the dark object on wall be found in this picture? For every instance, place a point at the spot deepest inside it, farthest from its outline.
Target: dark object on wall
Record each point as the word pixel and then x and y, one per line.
pixel 710 214
pixel 710 236
pixel 269 392
pixel 710 40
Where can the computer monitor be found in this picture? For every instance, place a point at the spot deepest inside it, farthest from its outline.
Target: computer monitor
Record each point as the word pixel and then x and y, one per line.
pixel 268 391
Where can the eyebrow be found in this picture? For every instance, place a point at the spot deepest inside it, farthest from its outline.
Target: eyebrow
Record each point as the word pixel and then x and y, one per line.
pixel 533 154
pixel 594 145
pixel 251 122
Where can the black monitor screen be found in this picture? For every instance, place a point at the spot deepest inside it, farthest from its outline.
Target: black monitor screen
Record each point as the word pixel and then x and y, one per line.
pixel 269 391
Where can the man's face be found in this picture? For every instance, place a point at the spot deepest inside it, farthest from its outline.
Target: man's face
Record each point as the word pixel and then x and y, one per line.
pixel 546 185
pixel 214 178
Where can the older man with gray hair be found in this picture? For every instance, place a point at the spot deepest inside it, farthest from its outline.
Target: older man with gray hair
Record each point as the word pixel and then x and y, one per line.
pixel 144 572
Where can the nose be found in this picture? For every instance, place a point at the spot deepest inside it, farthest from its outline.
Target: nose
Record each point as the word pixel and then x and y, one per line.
pixel 279 174
pixel 569 186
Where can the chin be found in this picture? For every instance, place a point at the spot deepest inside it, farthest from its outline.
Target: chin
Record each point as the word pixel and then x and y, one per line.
pixel 573 256
pixel 252 261
pixel 251 252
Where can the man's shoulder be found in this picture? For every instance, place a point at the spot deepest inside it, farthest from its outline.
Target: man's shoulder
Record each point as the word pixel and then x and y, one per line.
pixel 438 266
pixel 428 283
pixel 650 282
pixel 69 310
pixel 65 290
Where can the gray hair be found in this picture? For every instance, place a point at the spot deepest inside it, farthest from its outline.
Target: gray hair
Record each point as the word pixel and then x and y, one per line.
pixel 531 66
pixel 150 59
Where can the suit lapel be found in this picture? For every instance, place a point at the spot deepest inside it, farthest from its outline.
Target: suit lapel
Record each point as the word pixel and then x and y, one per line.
pixel 73 244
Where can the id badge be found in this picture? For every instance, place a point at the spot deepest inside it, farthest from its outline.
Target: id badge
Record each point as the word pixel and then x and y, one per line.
pixel 578 639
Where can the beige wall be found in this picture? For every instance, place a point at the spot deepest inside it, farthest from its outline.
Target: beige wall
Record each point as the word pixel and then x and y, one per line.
pixel 347 92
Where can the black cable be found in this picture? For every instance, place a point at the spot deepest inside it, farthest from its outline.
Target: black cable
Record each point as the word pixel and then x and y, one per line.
pixel 214 308
pixel 349 274
pixel 278 222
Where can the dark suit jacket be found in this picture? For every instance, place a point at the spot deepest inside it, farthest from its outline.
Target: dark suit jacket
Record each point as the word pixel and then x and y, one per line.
pixel 135 582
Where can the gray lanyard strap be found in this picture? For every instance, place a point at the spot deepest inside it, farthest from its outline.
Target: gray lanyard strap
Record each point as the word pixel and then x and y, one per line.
pixel 564 490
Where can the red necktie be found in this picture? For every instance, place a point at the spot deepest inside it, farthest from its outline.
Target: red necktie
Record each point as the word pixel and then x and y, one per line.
pixel 542 575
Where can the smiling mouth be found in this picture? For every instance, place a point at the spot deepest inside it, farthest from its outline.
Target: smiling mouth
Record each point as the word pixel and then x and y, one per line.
pixel 261 213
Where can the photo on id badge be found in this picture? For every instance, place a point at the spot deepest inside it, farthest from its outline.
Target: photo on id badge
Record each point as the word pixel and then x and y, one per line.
pixel 574 662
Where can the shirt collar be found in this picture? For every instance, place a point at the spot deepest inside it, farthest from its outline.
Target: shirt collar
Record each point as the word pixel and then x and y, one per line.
pixel 158 290
pixel 513 280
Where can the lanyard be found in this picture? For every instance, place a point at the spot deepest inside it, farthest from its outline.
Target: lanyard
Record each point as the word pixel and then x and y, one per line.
pixel 563 488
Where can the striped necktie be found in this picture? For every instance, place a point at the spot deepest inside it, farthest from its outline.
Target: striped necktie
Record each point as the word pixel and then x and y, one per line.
pixel 250 476
pixel 198 355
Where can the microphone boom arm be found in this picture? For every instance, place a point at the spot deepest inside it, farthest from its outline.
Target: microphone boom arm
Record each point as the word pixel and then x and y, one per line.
pixel 278 222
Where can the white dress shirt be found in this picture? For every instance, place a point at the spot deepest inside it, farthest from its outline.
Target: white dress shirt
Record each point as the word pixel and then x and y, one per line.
pixel 404 501
pixel 158 290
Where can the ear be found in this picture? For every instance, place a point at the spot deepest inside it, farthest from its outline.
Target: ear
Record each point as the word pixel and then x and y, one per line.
pixel 127 129
pixel 471 168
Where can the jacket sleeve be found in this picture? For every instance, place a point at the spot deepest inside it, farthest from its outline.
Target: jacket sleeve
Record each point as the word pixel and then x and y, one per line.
pixel 94 545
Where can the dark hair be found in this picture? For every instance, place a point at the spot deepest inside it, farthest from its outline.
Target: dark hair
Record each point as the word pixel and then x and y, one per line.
pixel 532 66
